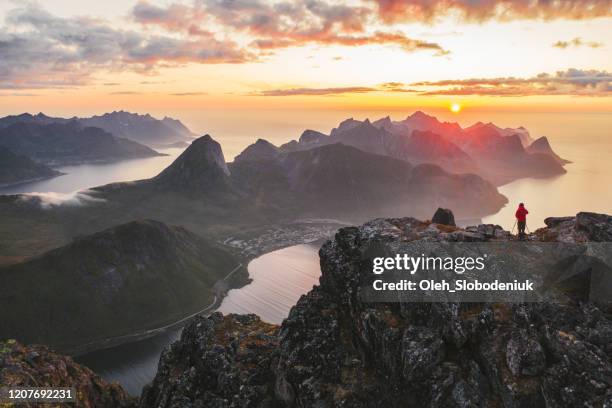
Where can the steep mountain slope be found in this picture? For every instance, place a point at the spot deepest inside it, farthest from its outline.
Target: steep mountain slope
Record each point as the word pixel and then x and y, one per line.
pixel 347 182
pixel 16 169
pixel 69 143
pixel 143 274
pixel 200 168
pixel 336 349
pixel 541 145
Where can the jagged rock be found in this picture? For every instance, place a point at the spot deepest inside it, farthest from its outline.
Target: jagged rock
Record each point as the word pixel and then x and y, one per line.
pixel 585 226
pixel 37 366
pixel 338 350
pixel 598 227
pixel 444 216
pixel 525 356
pixel 218 362
pixel 555 221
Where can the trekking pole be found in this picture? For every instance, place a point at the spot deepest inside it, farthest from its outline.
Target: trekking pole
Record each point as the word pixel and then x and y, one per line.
pixel 512 232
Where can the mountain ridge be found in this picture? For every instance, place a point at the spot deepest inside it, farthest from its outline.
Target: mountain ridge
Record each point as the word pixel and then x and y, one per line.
pixel 17 169
pixel 69 143
pixel 136 127
pixel 473 149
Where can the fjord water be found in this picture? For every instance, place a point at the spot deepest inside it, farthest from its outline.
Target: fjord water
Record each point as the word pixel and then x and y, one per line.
pixel 585 140
pixel 279 279
pixel 84 176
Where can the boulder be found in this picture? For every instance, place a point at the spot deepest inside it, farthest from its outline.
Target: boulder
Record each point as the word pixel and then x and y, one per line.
pixel 444 216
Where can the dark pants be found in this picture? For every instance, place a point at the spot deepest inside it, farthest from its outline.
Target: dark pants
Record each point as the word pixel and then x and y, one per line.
pixel 521 228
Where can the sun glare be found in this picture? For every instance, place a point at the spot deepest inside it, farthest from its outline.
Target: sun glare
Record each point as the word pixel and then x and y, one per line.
pixel 455 108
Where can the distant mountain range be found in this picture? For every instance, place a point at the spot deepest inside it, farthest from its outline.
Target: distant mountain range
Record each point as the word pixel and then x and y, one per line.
pixel 329 180
pixel 139 275
pixel 69 143
pixel 496 154
pixel 143 129
pixel 15 169
pixel 263 186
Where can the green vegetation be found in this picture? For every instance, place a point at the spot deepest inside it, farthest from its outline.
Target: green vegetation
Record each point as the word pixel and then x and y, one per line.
pixel 136 276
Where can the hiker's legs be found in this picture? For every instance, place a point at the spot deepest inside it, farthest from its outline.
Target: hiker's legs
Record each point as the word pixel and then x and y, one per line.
pixel 521 228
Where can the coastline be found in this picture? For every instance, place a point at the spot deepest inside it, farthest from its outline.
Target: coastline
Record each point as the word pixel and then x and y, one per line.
pixel 33 180
pixel 259 243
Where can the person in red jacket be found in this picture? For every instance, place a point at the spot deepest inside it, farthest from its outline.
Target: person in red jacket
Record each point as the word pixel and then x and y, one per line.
pixel 521 219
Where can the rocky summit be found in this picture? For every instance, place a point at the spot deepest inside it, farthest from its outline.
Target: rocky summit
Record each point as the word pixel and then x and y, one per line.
pixel 335 350
pixel 37 366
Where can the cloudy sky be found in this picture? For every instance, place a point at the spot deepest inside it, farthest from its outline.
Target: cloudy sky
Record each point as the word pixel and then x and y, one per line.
pixel 58 55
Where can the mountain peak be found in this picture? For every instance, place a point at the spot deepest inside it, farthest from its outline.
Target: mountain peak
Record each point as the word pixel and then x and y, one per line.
pixel 345 125
pixel 310 136
pixel 542 145
pixel 258 151
pixel 201 167
pixel 383 123
pixel 420 115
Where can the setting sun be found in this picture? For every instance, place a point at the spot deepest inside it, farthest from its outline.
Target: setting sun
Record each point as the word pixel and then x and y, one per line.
pixel 455 108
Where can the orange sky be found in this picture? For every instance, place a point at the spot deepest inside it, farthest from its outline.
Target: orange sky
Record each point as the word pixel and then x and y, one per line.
pixel 67 58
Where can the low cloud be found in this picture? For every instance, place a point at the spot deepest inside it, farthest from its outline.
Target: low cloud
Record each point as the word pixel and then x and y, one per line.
pixel 315 91
pixel 50 200
pixel 577 43
pixel 385 87
pixel 188 94
pixel 125 93
pixel 570 82
pixel 395 87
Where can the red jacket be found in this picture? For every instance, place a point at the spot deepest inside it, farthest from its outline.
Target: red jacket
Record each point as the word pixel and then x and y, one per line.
pixel 521 214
